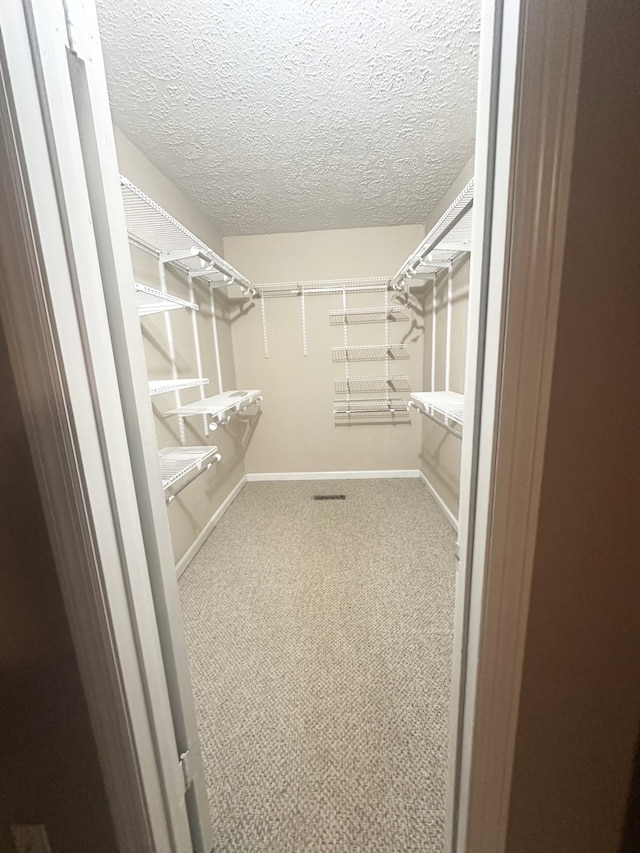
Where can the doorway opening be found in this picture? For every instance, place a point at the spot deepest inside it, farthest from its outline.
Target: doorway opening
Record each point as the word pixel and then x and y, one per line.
pixel 78 354
pixel 302 281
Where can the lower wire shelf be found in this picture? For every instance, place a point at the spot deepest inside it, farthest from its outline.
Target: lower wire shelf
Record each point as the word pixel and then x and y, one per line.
pixel 448 405
pixel 177 462
pixel 393 410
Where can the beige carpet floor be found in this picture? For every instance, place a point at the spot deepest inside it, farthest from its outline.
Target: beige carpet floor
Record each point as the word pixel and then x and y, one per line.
pixel 319 636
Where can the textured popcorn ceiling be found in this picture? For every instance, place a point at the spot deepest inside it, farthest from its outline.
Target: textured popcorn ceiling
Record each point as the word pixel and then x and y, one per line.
pixel 291 115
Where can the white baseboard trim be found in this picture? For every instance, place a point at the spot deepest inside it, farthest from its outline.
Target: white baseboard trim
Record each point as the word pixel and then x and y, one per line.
pixel 412 473
pixel 206 530
pixel 453 521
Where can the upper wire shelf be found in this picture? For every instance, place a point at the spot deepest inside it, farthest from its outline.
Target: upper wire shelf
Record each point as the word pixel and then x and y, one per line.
pixel 164 386
pixel 449 405
pixel 221 407
pixel 155 230
pixel 378 352
pixel 371 384
pixel 350 316
pixel 450 236
pixel 152 301
pixel 177 462
pixel 322 287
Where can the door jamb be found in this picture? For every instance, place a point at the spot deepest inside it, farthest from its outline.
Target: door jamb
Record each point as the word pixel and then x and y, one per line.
pixel 515 286
pixel 51 306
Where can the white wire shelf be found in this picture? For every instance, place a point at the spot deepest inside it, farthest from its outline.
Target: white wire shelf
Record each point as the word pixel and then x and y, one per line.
pixel 321 287
pixel 449 405
pixel 352 316
pixel 164 386
pixel 155 230
pixel 220 408
pixel 378 352
pixel 392 404
pixel 392 410
pixel 371 384
pixel 152 301
pixel 177 462
pixel 450 236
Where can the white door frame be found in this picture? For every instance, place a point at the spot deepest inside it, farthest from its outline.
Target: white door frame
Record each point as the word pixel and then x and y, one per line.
pixel 56 323
pixel 88 461
pixel 528 95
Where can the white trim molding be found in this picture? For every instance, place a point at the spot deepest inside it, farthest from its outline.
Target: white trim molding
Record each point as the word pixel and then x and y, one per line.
pixel 516 278
pixel 409 473
pixel 201 538
pixel 453 521
pixel 54 315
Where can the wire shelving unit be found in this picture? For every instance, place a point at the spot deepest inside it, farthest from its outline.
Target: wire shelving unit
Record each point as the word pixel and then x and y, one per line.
pixel 151 228
pixel 371 384
pixel 164 386
pixel 391 410
pixel 351 316
pixel 152 301
pixel 449 237
pixel 221 407
pixel 321 287
pixel 446 408
pixel 176 463
pixel 377 352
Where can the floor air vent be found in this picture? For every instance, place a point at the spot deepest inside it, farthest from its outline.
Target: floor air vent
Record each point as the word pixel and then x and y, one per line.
pixel 329 497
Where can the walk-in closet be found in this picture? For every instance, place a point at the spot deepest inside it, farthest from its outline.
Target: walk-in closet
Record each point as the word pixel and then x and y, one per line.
pixel 297 185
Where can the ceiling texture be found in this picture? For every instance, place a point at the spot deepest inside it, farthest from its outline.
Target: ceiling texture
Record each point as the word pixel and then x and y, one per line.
pixel 294 115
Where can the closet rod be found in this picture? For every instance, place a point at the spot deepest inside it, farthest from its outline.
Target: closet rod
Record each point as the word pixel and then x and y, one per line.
pixel 457 431
pixel 173 494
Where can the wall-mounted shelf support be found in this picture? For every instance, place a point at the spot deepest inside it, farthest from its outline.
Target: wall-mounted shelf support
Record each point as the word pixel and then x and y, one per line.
pixel 181 255
pixel 164 386
pixel 215 279
pixel 152 301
